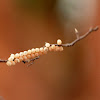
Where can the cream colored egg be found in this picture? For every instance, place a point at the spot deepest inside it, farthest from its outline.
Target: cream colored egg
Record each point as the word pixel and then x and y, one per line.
pixel 47 45
pixel 32 56
pixel 28 56
pixel 16 55
pixel 37 50
pixel 25 52
pixel 21 59
pixel 61 48
pixel 12 55
pixel 9 63
pixel 29 52
pixel 45 49
pixel 41 49
pixel 10 58
pixel 53 46
pixel 50 48
pixel 17 60
pixel 25 58
pixel 21 53
pixel 59 42
pixel 13 63
pixel 36 54
pixel 57 48
pixel 33 50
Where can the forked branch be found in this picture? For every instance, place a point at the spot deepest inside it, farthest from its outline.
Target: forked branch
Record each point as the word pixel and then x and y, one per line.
pixel 78 38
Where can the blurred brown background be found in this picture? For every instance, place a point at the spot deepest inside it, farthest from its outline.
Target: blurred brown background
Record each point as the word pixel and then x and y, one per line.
pixel 73 74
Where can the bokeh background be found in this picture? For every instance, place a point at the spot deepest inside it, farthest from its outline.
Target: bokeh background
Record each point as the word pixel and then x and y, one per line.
pixel 73 74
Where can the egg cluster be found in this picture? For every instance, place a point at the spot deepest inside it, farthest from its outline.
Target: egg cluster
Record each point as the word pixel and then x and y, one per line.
pixel 33 53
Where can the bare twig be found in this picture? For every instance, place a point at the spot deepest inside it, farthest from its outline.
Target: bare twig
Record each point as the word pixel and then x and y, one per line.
pixel 64 45
pixel 3 61
pixel 81 37
pixel 31 61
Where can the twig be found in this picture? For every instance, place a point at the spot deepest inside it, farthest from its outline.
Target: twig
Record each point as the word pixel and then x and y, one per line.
pixel 31 61
pixel 65 45
pixel 81 37
pixel 3 61
pixel 77 33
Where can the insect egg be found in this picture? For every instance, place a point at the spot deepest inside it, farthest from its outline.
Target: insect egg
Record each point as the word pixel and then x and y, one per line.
pixel 41 49
pixel 37 49
pixel 25 53
pixel 47 45
pixel 33 50
pixel 59 42
pixel 9 63
pixel 29 51
pixel 16 55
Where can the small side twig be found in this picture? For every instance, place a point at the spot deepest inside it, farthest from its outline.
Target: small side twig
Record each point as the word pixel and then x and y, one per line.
pixel 31 61
pixel 77 33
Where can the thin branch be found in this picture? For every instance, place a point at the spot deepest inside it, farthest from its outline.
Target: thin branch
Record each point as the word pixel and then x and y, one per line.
pixel 3 61
pixel 81 37
pixel 31 60
pixel 64 45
